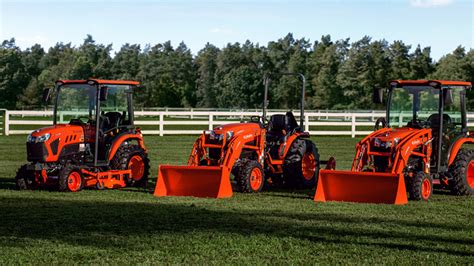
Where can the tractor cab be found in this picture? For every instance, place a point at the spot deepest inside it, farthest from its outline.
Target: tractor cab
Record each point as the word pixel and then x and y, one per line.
pixel 102 108
pixel 436 105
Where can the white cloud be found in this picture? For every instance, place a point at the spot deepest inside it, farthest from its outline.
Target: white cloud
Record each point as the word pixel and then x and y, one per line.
pixel 430 3
pixel 221 30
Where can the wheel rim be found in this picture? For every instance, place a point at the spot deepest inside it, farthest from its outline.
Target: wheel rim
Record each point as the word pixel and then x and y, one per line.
pixel 426 189
pixel 137 166
pixel 256 179
pixel 74 181
pixel 308 165
pixel 470 174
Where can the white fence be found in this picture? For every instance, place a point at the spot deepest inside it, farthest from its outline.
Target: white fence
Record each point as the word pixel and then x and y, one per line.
pixel 160 122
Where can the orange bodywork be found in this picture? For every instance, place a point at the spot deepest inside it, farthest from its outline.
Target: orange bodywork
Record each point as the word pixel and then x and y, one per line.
pixel 108 179
pixel 381 181
pixel 100 81
pixel 457 146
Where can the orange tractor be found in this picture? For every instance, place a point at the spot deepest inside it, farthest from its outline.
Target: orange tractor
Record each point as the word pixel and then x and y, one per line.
pixel 98 147
pixel 277 151
pixel 420 143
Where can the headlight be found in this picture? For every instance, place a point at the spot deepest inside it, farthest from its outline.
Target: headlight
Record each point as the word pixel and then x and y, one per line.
pixel 41 138
pixel 386 144
pixel 229 135
pixel 30 138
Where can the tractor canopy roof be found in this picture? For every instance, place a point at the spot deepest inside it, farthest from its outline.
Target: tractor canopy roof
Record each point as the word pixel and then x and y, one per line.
pixel 100 81
pixel 431 83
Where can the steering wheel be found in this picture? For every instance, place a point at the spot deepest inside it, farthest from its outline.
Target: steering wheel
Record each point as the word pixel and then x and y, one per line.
pixel 255 118
pixel 380 123
pixel 78 120
pixel 419 123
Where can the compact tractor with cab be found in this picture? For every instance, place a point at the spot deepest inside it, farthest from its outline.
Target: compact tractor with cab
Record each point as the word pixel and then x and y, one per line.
pixel 409 155
pixel 98 147
pixel 277 151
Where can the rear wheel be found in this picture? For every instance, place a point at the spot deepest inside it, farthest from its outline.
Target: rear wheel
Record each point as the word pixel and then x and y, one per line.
pixel 421 186
pixel 25 179
pixel 461 173
pixel 301 166
pixel 250 177
pixel 134 158
pixel 70 179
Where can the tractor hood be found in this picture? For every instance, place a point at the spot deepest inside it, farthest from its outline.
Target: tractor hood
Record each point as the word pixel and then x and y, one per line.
pixel 386 138
pixel 238 128
pixel 56 130
pixel 49 143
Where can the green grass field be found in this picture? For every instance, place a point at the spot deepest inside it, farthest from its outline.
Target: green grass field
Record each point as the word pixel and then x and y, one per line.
pixel 274 227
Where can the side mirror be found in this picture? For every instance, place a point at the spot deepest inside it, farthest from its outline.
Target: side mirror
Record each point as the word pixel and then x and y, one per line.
pixel 377 96
pixel 46 94
pixel 104 91
pixel 448 97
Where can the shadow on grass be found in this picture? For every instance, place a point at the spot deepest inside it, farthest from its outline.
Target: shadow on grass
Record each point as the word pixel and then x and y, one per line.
pixel 91 223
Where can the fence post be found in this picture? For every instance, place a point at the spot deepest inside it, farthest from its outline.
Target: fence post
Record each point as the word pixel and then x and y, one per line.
pixel 211 119
pixel 306 123
pixel 353 125
pixel 6 127
pixel 400 119
pixel 192 114
pixel 161 124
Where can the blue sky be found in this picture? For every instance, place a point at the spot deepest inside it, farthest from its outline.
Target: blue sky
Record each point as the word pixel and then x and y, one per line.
pixel 441 24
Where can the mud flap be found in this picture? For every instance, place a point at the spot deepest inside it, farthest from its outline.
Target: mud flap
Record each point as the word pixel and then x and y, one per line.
pixel 196 181
pixel 367 187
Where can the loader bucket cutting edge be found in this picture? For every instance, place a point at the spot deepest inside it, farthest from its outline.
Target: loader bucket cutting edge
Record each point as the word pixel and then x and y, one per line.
pixel 196 181
pixel 366 187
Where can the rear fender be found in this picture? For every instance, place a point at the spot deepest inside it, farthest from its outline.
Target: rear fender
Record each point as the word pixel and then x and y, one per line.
pixel 285 147
pixel 456 146
pixel 125 137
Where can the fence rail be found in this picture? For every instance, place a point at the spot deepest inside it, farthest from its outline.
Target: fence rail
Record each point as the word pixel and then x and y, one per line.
pixel 177 122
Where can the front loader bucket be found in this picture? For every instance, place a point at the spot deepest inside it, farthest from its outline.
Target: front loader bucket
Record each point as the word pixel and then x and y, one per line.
pixel 196 181
pixel 368 187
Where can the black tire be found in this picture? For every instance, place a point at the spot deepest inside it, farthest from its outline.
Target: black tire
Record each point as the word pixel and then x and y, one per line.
pixel 246 182
pixel 121 161
pixel 70 174
pixel 25 179
pixel 420 186
pixel 293 164
pixel 458 173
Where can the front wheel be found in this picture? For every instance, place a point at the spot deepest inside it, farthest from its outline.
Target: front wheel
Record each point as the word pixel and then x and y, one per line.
pixel 25 179
pixel 420 187
pixel 133 157
pixel 70 179
pixel 250 177
pixel 301 165
pixel 461 173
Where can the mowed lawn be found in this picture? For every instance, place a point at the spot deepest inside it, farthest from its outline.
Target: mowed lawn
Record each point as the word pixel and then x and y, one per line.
pixel 274 227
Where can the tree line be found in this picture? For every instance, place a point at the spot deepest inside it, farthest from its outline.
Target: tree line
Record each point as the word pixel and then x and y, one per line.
pixel 340 74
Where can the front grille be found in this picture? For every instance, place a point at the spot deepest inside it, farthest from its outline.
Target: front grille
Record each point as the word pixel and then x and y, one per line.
pixel 36 152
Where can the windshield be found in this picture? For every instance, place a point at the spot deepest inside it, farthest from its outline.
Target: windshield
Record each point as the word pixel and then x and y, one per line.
pixel 78 101
pixel 421 103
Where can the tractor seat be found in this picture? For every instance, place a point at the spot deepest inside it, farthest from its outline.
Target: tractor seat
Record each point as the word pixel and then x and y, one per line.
pixel 115 119
pixel 434 120
pixel 281 125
